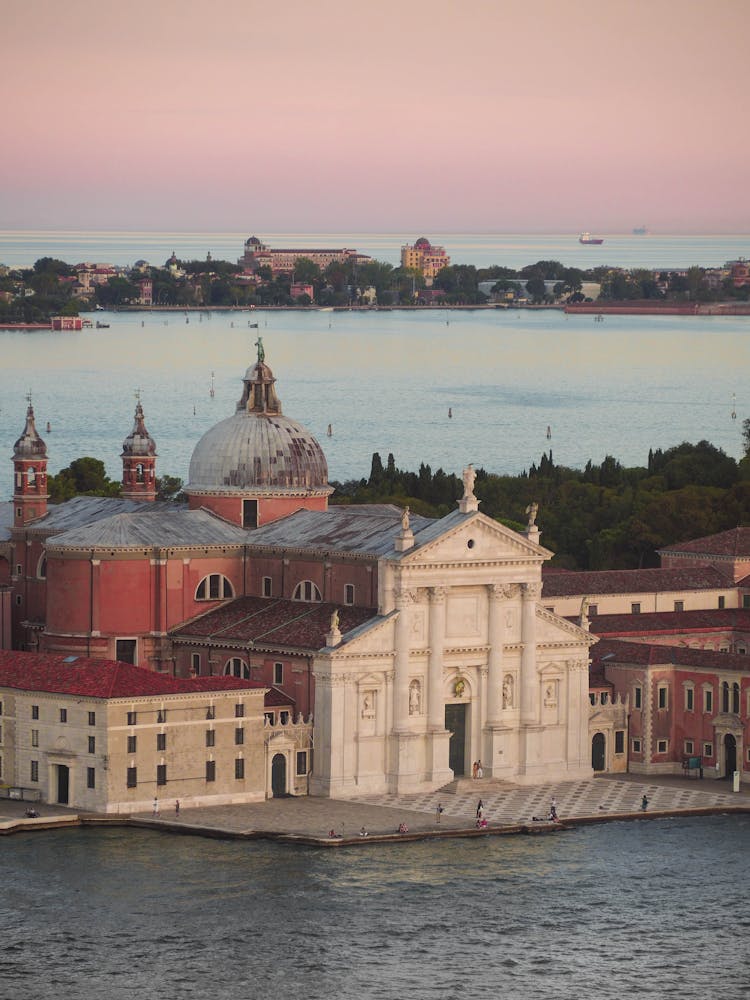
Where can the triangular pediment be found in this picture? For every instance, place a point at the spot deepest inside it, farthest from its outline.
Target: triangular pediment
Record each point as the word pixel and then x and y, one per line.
pixel 463 539
pixel 552 628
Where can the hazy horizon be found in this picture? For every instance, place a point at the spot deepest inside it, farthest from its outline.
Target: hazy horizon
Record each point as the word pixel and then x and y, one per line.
pixel 411 117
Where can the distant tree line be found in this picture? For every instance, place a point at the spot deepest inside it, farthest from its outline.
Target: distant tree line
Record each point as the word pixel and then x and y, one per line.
pixel 605 516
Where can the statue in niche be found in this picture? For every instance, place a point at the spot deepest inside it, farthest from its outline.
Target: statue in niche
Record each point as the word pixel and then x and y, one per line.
pixel 550 694
pixel 532 510
pixel 469 478
pixel 508 691
pixel 459 687
pixel 415 698
pixel 368 705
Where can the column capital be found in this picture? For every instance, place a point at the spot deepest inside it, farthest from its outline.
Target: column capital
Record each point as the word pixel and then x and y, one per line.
pixel 437 594
pixel 532 591
pixel 404 598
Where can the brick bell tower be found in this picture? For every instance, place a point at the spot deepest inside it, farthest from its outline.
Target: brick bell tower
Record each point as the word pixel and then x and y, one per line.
pixel 139 461
pixel 30 494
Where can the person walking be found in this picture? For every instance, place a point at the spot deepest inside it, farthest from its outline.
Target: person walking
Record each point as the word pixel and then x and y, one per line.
pixel 177 807
pixel 156 808
pixel 480 808
pixel 644 803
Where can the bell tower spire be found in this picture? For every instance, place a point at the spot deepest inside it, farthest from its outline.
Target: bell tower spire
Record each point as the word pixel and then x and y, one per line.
pixel 139 460
pixel 30 473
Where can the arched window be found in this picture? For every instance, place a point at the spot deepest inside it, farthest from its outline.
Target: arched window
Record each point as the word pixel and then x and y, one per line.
pixel 725 696
pixel 736 698
pixel 306 591
pixel 214 588
pixel 41 570
pixel 139 472
pixel 31 475
pixel 236 667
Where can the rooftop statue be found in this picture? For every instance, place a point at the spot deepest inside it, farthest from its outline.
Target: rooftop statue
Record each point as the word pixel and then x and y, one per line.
pixel 261 351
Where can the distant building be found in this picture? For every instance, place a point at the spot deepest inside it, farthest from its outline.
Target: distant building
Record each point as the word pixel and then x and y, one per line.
pixel 282 262
pixel 298 288
pixel 425 257
pixel 67 323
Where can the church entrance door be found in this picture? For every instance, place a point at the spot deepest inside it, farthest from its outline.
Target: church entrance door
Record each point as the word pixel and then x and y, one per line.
pixel 278 776
pixel 730 755
pixel 455 723
pixel 597 752
pixel 63 784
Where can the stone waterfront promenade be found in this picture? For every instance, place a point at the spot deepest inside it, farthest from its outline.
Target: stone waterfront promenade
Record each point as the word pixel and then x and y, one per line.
pixel 507 808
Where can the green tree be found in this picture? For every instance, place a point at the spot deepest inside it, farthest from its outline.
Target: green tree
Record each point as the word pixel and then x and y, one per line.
pixel 84 476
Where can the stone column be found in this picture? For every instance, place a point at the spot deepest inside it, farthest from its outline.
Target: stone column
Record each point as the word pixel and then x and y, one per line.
pixel 529 680
pixel 435 704
pixel 404 601
pixel 496 641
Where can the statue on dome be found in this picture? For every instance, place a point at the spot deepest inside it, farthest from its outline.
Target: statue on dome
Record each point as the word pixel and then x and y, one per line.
pixel 261 351
pixel 469 477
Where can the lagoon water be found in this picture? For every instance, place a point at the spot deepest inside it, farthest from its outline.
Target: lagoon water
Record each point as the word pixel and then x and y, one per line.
pixel 385 381
pixel 654 909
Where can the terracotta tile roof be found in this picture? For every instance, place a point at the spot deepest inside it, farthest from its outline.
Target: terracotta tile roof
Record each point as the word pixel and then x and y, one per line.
pixel 735 542
pixel 669 622
pixel 631 581
pixel 271 623
pixel 646 654
pixel 58 674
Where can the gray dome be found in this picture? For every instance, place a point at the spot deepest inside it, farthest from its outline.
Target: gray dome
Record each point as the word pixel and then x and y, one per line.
pixel 30 445
pixel 258 450
pixel 259 453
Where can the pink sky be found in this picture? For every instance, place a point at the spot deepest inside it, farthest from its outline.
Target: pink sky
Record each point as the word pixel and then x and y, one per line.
pixel 483 115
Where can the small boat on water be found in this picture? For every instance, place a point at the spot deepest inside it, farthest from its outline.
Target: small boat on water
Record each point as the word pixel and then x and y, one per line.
pixel 590 240
pixel 102 326
pixel 640 231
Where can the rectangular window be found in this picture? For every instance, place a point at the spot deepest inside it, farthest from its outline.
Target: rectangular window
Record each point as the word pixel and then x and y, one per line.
pixel 746 600
pixel 689 699
pixel 269 717
pixel 211 712
pixel 278 673
pixel 131 744
pixel 35 737
pixel 132 777
pixel 34 711
pixel 619 741
pixel 92 744
pixel 284 718
pixel 349 593
pixel 638 699
pixel 161 774
pixel 161 741
pixel 593 610
pixel 161 715
pixel 239 711
pixel 267 586
pixel 635 608
pixel 679 605
pixel 636 746
pixel 722 601
pixel 90 777
pixel 301 762
pixel 132 718
pixel 708 749
pixel 195 664
pixel 239 768
pixel 210 737
pixel 1 708
pixel 708 700
pixel 662 702
pixel 661 746
pixel 239 736
pixel 125 650
pixel 63 715
pixel 35 770
pixel 92 718
pixel 689 746
pixel 210 770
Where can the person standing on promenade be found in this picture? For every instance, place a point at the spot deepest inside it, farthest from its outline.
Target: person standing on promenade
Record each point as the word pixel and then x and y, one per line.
pixel 438 812
pixel 177 807
pixel 474 769
pixel 644 803
pixel 156 808
pixel 480 807
pixel 480 769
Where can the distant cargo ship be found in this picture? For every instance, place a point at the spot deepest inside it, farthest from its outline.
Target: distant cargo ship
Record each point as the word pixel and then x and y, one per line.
pixel 589 239
pixel 640 231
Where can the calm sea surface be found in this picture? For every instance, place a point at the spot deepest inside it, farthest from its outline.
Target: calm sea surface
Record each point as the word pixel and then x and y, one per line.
pixel 654 909
pixel 23 247
pixel 385 382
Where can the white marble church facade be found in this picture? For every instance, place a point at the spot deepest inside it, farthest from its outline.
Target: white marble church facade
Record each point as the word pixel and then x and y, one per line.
pixel 462 664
